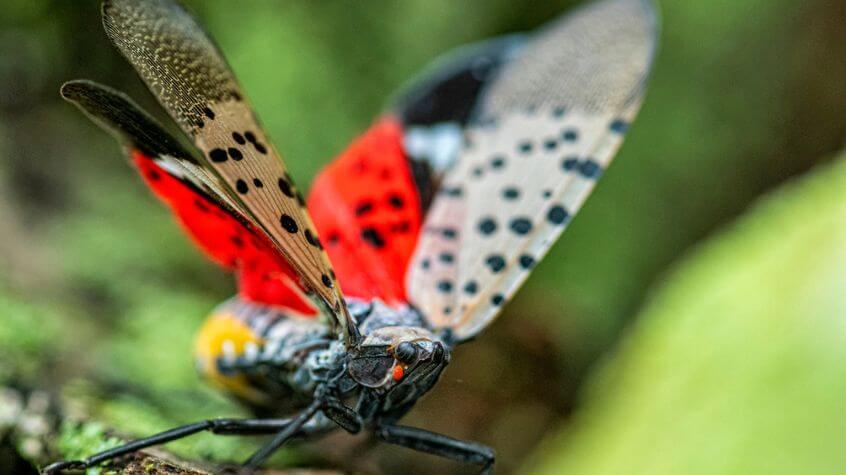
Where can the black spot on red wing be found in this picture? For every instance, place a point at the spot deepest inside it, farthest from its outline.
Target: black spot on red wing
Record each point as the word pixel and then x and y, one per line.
pixel 201 206
pixel 360 166
pixel 372 237
pixel 241 186
pixel 401 227
pixel 235 153
pixel 218 155
pixel 386 174
pixel 363 208
pixel 288 224
pixel 153 175
pixel 238 138
pixel 237 241
pixel 396 201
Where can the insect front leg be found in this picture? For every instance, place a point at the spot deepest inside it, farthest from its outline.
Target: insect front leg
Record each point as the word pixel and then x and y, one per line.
pixel 215 426
pixel 440 445
pixel 344 416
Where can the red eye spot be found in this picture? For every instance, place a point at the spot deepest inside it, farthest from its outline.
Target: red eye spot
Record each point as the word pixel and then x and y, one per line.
pixel 398 372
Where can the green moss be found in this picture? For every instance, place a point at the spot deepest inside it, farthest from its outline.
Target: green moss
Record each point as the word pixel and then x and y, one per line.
pixel 79 440
pixel 738 365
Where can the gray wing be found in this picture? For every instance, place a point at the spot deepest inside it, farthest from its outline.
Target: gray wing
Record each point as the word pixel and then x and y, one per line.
pixel 544 130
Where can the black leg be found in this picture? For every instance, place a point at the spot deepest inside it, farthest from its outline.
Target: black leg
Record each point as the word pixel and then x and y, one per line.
pixel 287 432
pixel 438 444
pixel 344 416
pixel 215 426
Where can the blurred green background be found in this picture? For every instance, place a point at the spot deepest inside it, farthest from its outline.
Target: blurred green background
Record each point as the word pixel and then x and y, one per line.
pixel 651 340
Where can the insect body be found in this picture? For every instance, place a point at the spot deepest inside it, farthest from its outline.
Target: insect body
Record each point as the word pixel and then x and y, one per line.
pixel 409 243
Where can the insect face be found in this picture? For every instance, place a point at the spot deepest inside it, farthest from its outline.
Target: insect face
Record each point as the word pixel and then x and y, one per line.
pixel 395 355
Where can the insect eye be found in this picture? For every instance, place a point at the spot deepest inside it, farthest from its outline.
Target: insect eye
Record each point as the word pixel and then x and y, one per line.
pixel 406 352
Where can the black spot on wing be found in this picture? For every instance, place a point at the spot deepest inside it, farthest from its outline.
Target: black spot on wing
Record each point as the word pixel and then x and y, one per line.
pixel 285 187
pixel 218 155
pixel 371 236
pixel 288 223
pixel 445 286
pixel 363 208
pixel 521 225
pixel 557 215
pixel 495 262
pixel 487 226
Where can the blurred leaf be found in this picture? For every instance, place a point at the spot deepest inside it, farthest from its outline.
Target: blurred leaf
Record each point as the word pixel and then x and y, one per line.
pixel 738 365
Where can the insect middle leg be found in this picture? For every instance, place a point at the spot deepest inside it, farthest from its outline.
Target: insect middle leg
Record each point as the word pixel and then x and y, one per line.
pixel 439 444
pixel 215 426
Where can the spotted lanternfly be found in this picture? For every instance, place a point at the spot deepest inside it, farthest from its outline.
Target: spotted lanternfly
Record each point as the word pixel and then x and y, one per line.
pixel 429 222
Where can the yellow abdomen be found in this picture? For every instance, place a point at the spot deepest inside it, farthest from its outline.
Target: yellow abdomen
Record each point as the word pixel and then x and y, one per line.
pixel 225 338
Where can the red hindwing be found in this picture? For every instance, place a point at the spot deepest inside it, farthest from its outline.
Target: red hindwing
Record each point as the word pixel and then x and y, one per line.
pixel 263 274
pixel 367 209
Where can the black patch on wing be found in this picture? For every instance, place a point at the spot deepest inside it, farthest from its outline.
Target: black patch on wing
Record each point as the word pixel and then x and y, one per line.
pixel 117 113
pixel 448 89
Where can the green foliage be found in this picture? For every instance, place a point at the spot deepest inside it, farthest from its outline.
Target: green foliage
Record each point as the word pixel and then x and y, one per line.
pixel 737 364
pixel 77 441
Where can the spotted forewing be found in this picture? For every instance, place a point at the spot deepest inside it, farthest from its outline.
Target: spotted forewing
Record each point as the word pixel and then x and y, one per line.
pixel 187 73
pixel 542 133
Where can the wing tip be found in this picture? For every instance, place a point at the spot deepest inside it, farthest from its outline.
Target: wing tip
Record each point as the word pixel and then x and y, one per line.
pixel 85 92
pixel 76 89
